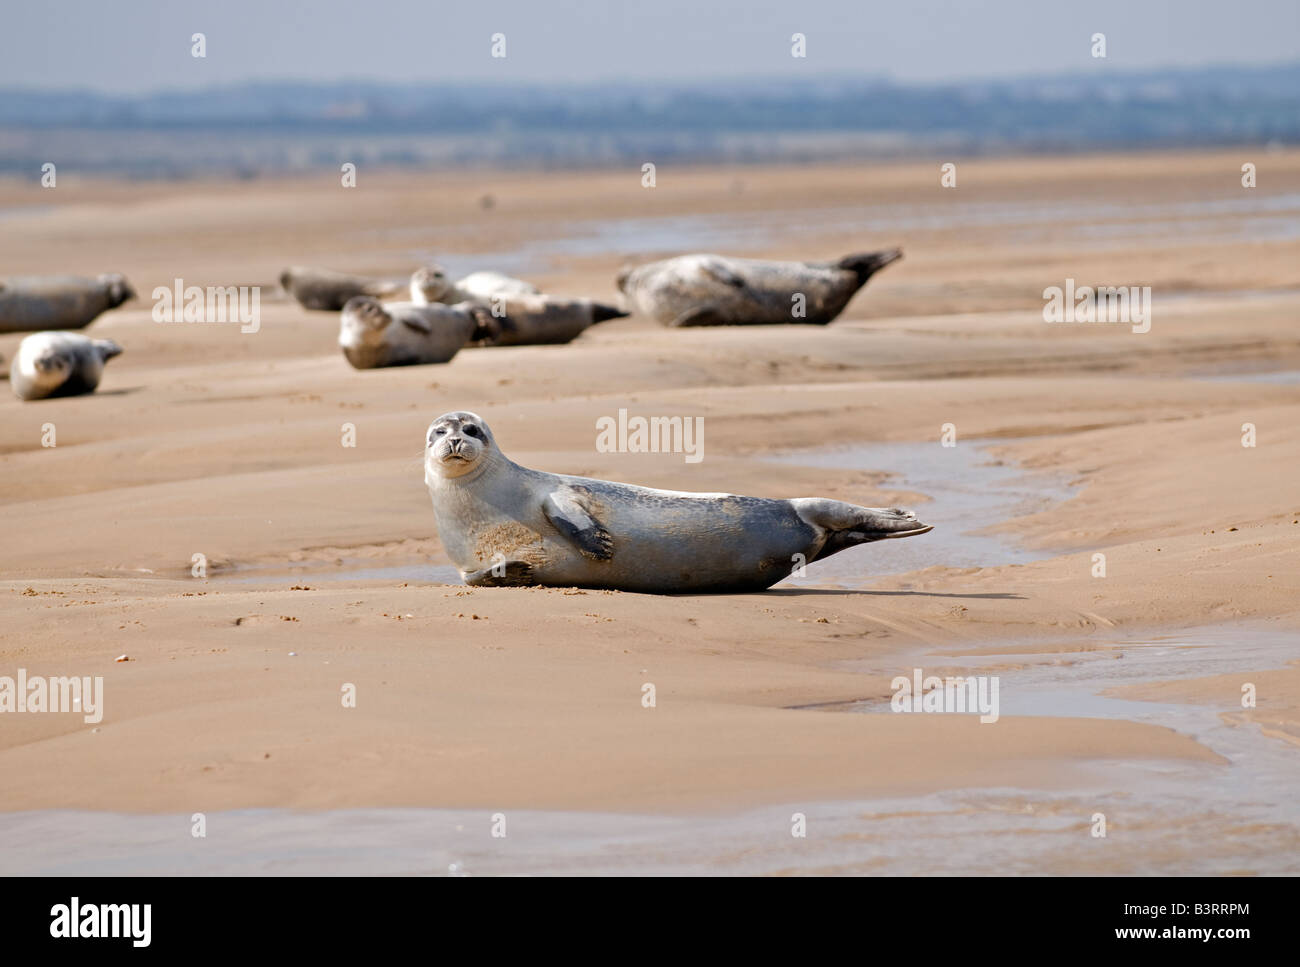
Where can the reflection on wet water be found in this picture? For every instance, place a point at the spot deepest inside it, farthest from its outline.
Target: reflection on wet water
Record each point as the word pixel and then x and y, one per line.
pixel 1162 817
pixel 968 491
pixel 345 570
pixel 1245 216
pixel 1285 377
pixel 966 833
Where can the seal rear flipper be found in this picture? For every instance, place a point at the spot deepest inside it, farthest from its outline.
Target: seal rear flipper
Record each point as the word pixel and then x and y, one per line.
pixel 107 349
pixel 847 525
pixel 867 264
pixel 603 313
pixel 563 508
pixel 384 289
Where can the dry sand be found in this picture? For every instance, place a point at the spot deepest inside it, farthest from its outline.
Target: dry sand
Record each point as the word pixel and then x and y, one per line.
pixel 206 440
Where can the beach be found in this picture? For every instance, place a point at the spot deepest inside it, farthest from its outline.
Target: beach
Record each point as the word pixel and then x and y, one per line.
pixel 322 567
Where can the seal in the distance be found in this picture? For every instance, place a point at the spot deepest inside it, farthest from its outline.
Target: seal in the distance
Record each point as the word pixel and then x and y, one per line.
pixel 714 290
pixel 36 303
pixel 373 335
pixel 59 364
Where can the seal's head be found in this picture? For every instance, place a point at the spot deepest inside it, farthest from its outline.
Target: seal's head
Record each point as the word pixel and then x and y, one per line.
pixel 45 362
pixel 119 290
pixel 429 284
pixel 50 368
pixel 457 444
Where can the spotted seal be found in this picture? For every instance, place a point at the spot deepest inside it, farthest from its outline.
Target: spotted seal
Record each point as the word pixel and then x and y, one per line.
pixel 503 524
pixel 715 290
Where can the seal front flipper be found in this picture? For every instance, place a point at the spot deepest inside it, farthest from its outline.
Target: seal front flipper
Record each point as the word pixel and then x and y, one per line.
pixel 722 272
pixel 701 316
pixel 488 327
pixel 564 509
pixel 416 324
pixel 504 574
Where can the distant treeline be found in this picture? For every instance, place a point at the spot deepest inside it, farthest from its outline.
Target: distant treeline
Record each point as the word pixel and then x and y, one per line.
pixel 268 127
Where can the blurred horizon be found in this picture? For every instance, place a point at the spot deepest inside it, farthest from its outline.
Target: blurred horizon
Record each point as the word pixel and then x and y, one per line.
pixel 298 85
pixel 1069 75
pixel 145 46
pixel 255 128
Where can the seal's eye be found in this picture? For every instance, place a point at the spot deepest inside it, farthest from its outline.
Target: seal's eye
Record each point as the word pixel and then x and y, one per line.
pixel 440 431
pixel 469 430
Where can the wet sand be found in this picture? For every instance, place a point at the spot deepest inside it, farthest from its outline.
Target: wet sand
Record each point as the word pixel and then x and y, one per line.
pixel 206 440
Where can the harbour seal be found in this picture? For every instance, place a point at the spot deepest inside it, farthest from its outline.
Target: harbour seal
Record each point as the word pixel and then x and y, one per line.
pixel 714 290
pixel 374 334
pixel 59 364
pixel 329 290
pixel 536 320
pixel 41 302
pixel 429 283
pixel 503 524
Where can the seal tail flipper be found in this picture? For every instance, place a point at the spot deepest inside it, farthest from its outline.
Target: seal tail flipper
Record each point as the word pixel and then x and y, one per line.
pixel 603 313
pixel 386 289
pixel 867 264
pixel 107 349
pixel 847 525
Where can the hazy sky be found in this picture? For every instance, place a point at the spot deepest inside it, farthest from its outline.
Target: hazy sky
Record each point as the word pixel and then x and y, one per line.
pixel 133 45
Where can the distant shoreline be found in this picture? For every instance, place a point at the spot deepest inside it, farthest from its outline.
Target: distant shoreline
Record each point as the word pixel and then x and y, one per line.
pixel 253 130
pixel 156 155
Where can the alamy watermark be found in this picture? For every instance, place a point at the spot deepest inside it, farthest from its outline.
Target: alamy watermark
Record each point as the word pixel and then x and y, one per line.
pixel 36 693
pixel 975 693
pixel 75 920
pixel 654 434
pixel 1130 304
pixel 216 303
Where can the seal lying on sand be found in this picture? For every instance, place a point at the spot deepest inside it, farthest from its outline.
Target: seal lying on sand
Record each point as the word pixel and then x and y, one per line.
pixel 503 524
pixel 40 302
pixel 59 364
pixel 324 289
pixel 533 320
pixel 373 335
pixel 714 290
pixel 520 314
pixel 430 284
